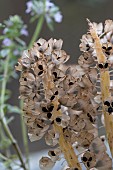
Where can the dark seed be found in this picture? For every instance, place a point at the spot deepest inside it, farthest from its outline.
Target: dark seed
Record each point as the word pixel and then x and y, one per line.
pixel 40 67
pixel 52 97
pixel 49 115
pixel 36 58
pixel 55 74
pixel 25 79
pixel 58 119
pixel 50 108
pixel 107 52
pixel 44 109
pixel 90 159
pixel 84 159
pixel 100 65
pixel 53 153
pixel 88 164
pixel 107 103
pixel 104 47
pixel 40 73
pixel 106 65
pixel 39 126
pixel 109 48
pixel 88 47
pixel 88 115
pixel 110 110
pixel 56 93
pixel 59 107
pixel 91 119
pixel 39 44
pixel 71 83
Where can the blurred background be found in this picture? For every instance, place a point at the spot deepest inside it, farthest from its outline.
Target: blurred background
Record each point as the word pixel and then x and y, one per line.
pixel 70 30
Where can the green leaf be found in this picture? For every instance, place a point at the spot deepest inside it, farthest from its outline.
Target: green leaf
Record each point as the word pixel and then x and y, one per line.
pixel 4 52
pixel 10 119
pixel 1 77
pixel 13 109
pixel 7 163
pixel 1 25
pixel 5 143
pixel 20 41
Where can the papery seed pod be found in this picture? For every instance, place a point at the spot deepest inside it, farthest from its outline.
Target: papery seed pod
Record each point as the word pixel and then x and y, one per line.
pixel 85 138
pixel 89 159
pixel 51 138
pixel 86 43
pixel 62 120
pixel 86 60
pixel 104 162
pixel 46 163
pixel 108 26
pixel 55 154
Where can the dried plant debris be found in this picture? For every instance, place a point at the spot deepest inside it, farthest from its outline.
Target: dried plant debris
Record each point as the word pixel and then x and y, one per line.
pixel 56 95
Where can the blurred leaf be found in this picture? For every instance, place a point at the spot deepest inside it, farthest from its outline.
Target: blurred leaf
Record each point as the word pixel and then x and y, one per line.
pixel 1 25
pixel 2 37
pixel 1 77
pixel 13 109
pixel 5 143
pixel 50 26
pixel 4 52
pixel 7 163
pixel 10 119
pixel 20 41
pixel 34 18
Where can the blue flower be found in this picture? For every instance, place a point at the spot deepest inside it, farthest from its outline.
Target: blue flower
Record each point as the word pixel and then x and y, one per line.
pixel 44 7
pixel 24 31
pixel 7 42
pixel 58 17
pixel 29 7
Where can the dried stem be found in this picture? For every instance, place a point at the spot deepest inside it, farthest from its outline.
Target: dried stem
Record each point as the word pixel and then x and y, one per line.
pixel 65 146
pixel 2 116
pixel 105 85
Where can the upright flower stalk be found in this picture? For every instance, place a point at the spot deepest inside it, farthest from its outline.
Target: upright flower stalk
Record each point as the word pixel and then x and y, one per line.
pixel 3 119
pixel 104 69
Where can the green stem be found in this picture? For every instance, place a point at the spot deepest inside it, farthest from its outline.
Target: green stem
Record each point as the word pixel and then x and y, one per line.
pixel 37 31
pixel 2 116
pixel 24 135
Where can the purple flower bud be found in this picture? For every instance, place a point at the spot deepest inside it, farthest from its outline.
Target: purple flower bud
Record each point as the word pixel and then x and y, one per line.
pixel 7 42
pixel 48 5
pixel 16 52
pixel 29 7
pixel 58 17
pixel 5 30
pixel 24 31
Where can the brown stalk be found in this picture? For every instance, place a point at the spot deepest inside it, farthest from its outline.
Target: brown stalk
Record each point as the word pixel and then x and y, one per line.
pixel 105 85
pixel 65 146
